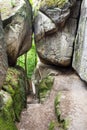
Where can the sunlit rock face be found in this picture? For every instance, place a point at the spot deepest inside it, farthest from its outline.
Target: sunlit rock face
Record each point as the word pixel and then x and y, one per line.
pixel 3 56
pixel 55 29
pixel 16 17
pixel 80 49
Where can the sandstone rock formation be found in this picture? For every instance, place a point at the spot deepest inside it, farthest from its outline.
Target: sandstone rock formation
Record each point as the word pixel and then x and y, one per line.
pixel 55 30
pixel 80 49
pixel 18 27
pixel 3 56
pixel 12 98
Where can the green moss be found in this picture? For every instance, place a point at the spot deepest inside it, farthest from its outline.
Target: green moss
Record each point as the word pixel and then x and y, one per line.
pixel 7 115
pixel 15 85
pixel 45 86
pixel 62 123
pixel 66 124
pixel 52 125
pixel 53 3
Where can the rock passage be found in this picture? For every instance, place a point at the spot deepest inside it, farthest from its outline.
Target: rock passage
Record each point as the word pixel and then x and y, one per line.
pixel 73 105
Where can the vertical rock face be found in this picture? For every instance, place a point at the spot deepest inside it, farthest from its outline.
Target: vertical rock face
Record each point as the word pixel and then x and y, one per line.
pixel 18 27
pixel 15 84
pixel 55 30
pixel 3 56
pixel 80 49
pixel 12 98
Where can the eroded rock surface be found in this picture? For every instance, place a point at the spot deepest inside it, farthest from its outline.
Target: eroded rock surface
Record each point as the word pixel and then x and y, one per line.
pixel 18 27
pixel 80 49
pixel 3 56
pixel 56 47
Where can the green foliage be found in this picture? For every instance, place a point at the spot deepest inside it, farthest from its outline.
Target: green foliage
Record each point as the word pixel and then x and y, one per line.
pixel 31 61
pixel 52 125
pixel 66 124
pixel 13 3
pixel 62 123
pixel 53 3
pixel 44 87
pixel 31 2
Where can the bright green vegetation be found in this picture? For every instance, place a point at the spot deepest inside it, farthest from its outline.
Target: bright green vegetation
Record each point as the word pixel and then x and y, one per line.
pixel 13 3
pixel 31 1
pixel 44 87
pixel 15 85
pixel 51 125
pixel 7 115
pixel 30 62
pixel 62 123
pixel 53 3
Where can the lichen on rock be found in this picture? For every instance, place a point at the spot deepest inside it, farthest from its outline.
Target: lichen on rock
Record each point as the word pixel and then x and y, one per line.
pixel 7 115
pixel 15 85
pixel 53 3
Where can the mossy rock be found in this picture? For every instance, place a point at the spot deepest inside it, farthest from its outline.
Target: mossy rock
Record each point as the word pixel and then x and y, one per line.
pixel 62 123
pixel 7 115
pixel 53 3
pixel 15 85
pixel 44 87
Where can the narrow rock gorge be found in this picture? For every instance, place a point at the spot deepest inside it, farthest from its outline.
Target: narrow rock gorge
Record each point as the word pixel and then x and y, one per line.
pixel 55 96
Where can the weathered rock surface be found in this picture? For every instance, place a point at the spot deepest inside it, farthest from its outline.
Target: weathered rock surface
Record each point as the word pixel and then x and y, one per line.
pixel 72 103
pixel 18 27
pixel 3 56
pixel 12 98
pixel 43 25
pixel 80 49
pixel 56 47
pixel 15 84
pixel 7 115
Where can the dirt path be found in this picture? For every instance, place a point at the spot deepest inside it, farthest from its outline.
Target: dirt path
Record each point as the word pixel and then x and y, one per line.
pixel 73 105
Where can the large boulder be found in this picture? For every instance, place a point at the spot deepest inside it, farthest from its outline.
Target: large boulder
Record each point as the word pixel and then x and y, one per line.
pixel 3 56
pixel 80 49
pixel 16 16
pixel 71 109
pixel 54 39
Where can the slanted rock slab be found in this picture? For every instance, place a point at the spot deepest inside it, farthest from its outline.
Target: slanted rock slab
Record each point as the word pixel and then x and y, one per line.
pixel 80 49
pixel 17 20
